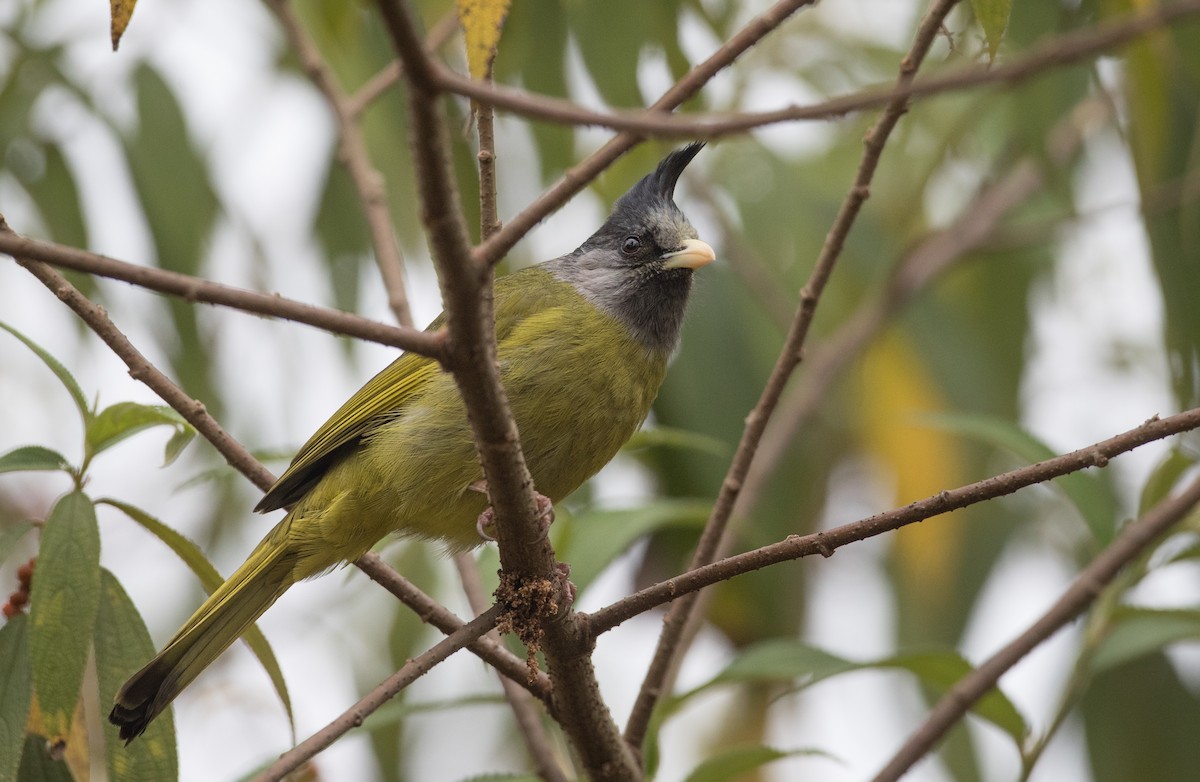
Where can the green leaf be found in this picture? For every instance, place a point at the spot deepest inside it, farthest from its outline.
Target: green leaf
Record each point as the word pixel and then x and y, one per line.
pixel 673 437
pixel 123 645
pixel 124 419
pixel 58 369
pixel 62 609
pixel 210 579
pixel 593 539
pixel 1091 494
pixel 1164 477
pixel 993 18
pixel 16 687
pixel 940 670
pixel 180 440
pixel 1136 632
pixel 10 537
pixel 33 457
pixel 736 763
pixel 38 766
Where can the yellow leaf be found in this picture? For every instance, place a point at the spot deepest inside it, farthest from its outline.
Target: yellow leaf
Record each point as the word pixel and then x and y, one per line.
pixel 922 460
pixel 122 11
pixel 482 21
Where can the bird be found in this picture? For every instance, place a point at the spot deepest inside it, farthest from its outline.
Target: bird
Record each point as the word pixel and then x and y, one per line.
pixel 583 343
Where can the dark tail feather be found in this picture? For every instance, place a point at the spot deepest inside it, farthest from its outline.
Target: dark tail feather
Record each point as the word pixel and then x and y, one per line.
pixel 226 614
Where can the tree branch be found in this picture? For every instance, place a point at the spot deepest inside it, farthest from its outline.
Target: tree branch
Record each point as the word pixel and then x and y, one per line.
pixel 1086 587
pixel 714 541
pixel 352 151
pixel 1053 52
pixel 525 552
pixel 190 288
pixel 575 179
pixel 385 691
pixel 827 542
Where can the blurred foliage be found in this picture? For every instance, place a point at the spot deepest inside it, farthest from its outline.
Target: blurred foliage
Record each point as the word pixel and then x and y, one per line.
pixel 936 399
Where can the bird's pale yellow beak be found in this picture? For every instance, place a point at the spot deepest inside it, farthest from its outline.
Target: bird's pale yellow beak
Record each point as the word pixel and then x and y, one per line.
pixel 692 255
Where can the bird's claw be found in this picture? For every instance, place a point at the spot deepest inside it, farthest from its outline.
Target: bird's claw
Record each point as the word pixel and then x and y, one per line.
pixel 486 523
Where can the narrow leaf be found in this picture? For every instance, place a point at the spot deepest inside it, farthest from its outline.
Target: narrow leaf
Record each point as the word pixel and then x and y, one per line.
pixel 595 538
pixel 673 437
pixel 63 601
pixel 58 369
pixel 10 537
pixel 122 12
pixel 16 687
pixel 738 762
pixel 180 440
pixel 1087 491
pixel 1164 477
pixel 33 457
pixel 124 419
pixel 210 579
pixel 1137 632
pixel 482 21
pixel 940 670
pixel 122 646
pixel 38 766
pixel 993 18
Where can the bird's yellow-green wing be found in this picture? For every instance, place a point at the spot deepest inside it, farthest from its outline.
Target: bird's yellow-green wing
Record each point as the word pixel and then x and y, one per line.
pixel 517 296
pixel 382 396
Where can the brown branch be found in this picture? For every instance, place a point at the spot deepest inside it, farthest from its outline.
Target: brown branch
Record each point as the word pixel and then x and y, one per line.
pixel 491 251
pixel 1053 52
pixel 199 290
pixel 525 553
pixel 525 711
pixel 979 221
pixel 375 86
pixel 385 691
pixel 194 412
pixel 714 541
pixel 352 151
pixel 827 542
pixel 1086 587
pixel 434 613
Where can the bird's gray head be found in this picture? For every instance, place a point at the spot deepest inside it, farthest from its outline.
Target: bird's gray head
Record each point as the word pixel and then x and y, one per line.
pixel 638 266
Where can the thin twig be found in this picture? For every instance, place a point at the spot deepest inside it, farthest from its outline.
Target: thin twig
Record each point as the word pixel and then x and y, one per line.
pixel 194 412
pixel 385 691
pixel 575 179
pixel 973 228
pixel 352 151
pixel 1053 52
pixel 827 542
pixel 375 86
pixel 434 613
pixel 427 343
pixel 525 711
pixel 714 541
pixel 1086 587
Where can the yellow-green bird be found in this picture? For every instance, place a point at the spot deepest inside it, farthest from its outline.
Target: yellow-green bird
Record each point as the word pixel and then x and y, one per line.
pixel 583 345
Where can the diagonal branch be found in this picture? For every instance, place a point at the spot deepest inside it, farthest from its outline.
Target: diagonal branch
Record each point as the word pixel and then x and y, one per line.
pixel 427 343
pixel 1053 52
pixel 491 251
pixel 714 541
pixel 240 459
pixel 1086 587
pixel 827 542
pixel 525 552
pixel 385 691
pixel 352 151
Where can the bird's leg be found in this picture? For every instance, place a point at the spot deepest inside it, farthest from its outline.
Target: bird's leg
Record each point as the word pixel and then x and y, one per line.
pixel 486 523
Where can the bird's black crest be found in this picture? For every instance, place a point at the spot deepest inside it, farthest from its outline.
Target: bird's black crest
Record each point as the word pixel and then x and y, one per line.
pixel 659 186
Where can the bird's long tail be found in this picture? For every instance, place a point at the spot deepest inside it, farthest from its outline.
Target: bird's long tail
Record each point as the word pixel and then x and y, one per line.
pixel 250 591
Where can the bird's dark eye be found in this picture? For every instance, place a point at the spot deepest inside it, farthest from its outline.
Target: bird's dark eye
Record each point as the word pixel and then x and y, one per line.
pixel 631 245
